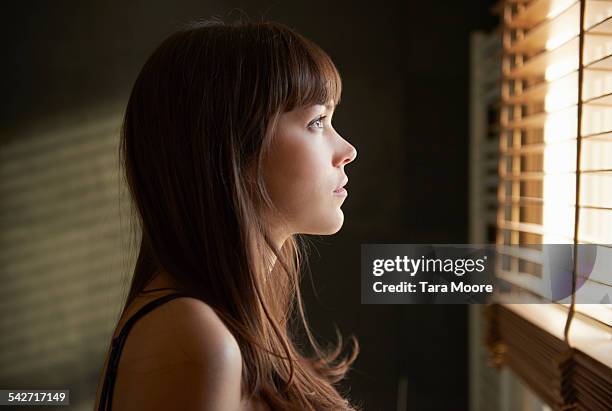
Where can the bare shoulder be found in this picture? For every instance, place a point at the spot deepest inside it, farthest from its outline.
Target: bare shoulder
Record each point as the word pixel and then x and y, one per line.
pixel 182 351
pixel 200 332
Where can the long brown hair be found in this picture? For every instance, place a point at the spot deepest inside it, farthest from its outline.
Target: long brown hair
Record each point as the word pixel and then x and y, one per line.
pixel 198 124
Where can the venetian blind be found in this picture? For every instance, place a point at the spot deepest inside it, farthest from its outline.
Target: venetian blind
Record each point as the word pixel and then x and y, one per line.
pixel 557 105
pixel 555 187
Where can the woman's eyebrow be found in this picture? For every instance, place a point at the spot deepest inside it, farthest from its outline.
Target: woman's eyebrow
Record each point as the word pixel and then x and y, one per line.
pixel 317 107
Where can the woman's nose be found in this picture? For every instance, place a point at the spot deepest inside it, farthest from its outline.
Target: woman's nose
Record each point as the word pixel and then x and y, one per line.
pixel 346 154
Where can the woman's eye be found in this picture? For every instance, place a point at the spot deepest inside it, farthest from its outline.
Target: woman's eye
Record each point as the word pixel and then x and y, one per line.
pixel 318 122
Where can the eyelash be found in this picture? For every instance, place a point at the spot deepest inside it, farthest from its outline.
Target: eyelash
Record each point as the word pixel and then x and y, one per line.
pixel 313 122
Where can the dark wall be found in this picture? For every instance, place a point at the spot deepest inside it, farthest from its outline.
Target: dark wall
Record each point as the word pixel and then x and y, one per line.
pixel 404 106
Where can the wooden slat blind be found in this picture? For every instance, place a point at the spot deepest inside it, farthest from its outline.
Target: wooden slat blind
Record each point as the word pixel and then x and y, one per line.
pixel 539 166
pixel 555 172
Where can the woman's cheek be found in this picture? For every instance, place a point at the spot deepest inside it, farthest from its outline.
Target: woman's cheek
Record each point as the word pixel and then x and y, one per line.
pixel 306 188
pixel 296 169
pixel 286 175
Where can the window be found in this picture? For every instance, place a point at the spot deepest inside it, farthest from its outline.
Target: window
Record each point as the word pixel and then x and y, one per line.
pixel 555 187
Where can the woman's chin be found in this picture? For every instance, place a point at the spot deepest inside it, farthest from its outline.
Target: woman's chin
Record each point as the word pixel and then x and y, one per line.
pixel 333 223
pixel 327 224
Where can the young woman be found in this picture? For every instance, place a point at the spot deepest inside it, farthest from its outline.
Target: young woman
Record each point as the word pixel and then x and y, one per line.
pixel 229 153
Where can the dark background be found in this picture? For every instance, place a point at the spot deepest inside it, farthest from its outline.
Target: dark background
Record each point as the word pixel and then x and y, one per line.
pixel 404 106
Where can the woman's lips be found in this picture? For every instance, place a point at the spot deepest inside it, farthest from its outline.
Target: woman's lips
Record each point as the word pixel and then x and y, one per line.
pixel 341 191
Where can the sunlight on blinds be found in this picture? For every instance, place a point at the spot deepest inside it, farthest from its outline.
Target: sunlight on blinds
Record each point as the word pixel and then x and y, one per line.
pixel 557 103
pixel 555 188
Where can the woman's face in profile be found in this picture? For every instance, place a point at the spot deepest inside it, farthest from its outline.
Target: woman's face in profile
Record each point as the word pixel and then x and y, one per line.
pixel 305 169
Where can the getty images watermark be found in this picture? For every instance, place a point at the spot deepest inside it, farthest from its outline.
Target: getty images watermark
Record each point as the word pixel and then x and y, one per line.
pixel 465 273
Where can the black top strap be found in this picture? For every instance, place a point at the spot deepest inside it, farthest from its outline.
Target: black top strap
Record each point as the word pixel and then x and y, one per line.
pixel 106 396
